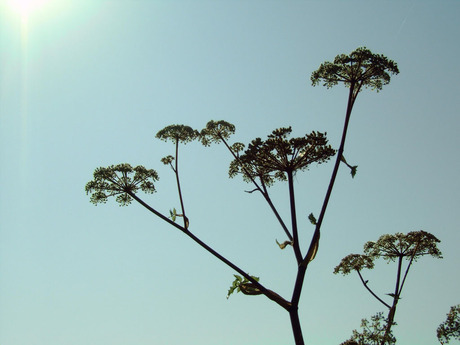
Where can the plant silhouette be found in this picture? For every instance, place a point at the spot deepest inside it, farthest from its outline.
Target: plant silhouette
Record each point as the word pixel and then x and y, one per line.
pixel 262 163
pixel 391 248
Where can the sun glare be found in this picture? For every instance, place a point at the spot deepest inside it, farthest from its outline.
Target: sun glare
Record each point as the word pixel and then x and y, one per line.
pixel 26 7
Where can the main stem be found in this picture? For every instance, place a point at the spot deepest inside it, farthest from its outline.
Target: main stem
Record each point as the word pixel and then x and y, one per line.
pixel 294 311
pixel 391 313
pixel 296 328
pixel 354 90
pixel 351 100
pixel 176 172
pixel 296 243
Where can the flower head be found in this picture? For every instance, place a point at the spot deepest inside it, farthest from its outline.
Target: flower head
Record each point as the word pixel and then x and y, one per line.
pixel 115 181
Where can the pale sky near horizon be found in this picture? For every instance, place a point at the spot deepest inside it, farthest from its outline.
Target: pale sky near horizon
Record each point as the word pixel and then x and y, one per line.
pixel 85 84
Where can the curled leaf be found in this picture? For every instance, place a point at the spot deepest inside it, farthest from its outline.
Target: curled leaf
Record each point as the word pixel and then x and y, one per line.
pixel 315 250
pixel 284 244
pixel 249 289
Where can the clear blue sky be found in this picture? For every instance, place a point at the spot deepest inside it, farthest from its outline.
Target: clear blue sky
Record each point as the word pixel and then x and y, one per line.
pixel 85 84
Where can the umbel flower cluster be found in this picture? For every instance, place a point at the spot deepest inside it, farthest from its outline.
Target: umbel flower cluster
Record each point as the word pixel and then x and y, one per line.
pixel 277 156
pixel 115 181
pixel 267 160
pixel 410 246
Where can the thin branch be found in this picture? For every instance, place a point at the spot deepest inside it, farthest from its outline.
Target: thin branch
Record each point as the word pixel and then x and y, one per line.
pixel 408 267
pixel 319 222
pixel 262 191
pixel 372 292
pixel 316 236
pixel 268 293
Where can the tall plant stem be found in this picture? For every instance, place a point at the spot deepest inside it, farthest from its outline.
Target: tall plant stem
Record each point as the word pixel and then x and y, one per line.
pixel 296 243
pixel 408 267
pixel 391 313
pixel 268 293
pixel 398 290
pixel 176 172
pixel 353 93
pixel 296 329
pixel 301 271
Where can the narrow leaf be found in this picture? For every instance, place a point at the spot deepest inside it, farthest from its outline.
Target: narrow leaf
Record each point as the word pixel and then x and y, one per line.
pixel 315 250
pixel 312 218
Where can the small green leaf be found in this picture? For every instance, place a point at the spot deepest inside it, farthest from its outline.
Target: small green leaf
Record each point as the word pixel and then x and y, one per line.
pixel 312 218
pixel 244 286
pixel 173 214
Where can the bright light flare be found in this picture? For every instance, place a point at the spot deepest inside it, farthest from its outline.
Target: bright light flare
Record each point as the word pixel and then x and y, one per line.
pixel 26 7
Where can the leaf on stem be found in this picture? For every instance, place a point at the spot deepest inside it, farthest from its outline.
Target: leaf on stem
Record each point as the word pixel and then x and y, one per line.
pixel 312 218
pixel 243 285
pixel 315 250
pixel 173 214
pixel 284 244
pixel 353 168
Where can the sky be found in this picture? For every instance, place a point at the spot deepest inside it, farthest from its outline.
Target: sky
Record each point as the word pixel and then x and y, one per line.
pixel 85 84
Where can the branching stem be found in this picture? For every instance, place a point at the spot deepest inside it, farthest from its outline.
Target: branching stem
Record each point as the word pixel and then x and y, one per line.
pixel 398 289
pixel 268 293
pixel 263 191
pixel 372 292
pixel 353 93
